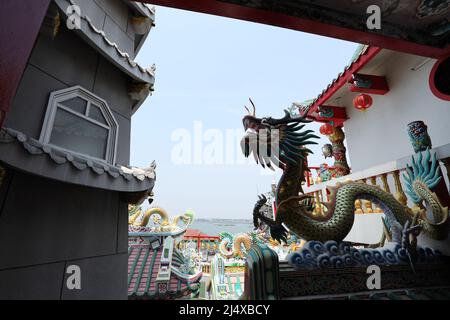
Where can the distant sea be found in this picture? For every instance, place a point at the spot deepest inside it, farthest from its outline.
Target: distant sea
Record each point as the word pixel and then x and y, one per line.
pixel 215 226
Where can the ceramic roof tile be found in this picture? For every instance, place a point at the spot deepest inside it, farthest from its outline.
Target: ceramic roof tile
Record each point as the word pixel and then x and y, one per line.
pixel 143 266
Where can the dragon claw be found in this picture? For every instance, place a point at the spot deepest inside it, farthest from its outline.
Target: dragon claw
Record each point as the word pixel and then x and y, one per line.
pixel 278 232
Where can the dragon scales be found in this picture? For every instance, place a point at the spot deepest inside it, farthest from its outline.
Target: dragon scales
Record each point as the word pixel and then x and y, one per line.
pixel 231 246
pixel 282 142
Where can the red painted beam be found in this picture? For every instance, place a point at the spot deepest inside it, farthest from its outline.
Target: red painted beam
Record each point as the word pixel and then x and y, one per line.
pixel 339 112
pixel 20 21
pixel 378 84
pixel 286 21
pixel 337 123
pixel 339 115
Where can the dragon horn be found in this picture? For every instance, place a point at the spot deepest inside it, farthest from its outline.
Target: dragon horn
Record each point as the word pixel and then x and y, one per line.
pixel 254 108
pixel 247 110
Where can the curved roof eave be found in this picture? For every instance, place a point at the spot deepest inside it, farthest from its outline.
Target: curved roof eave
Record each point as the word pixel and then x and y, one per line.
pixel 98 40
pixel 29 155
pixel 144 9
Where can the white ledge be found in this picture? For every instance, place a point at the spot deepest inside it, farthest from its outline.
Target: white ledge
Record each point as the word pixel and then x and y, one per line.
pixel 442 152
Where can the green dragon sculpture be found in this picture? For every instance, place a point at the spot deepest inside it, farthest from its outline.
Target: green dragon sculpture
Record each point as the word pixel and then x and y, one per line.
pixel 237 246
pixel 137 218
pixel 231 246
pixel 282 142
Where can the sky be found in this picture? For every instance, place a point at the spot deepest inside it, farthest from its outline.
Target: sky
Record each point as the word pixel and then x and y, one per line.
pixel 206 69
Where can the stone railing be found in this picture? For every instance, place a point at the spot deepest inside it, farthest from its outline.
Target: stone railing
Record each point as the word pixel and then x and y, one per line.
pixel 388 177
pixel 312 176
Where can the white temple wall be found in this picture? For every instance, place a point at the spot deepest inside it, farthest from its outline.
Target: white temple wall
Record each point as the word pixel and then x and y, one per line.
pixel 379 134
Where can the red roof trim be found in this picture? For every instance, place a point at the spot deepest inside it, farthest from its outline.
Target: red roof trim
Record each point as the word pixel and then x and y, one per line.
pixel 344 77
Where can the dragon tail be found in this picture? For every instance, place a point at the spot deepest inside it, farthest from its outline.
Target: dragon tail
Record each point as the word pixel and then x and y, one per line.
pixel 420 178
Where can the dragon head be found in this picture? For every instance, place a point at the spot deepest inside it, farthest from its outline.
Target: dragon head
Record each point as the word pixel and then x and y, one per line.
pixel 188 217
pixel 276 141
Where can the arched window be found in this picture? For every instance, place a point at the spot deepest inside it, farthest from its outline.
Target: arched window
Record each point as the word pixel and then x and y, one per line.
pixel 79 121
pixel 440 79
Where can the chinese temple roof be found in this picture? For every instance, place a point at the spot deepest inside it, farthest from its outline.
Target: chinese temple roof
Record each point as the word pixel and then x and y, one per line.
pixel 156 269
pixel 34 157
pixel 363 55
pixel 144 269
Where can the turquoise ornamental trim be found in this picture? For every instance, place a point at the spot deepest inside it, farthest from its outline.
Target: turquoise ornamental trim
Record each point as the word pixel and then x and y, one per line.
pixel 138 280
pixel 133 267
pixel 150 270
pixel 261 274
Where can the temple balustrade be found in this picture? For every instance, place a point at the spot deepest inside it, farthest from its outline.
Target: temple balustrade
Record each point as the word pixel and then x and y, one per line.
pixel 387 176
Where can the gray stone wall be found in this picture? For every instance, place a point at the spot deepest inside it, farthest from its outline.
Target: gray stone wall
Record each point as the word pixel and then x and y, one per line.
pixel 113 17
pixel 61 63
pixel 46 226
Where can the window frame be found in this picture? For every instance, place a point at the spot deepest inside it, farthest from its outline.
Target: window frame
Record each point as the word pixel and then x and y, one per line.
pixel 56 101
pixel 431 80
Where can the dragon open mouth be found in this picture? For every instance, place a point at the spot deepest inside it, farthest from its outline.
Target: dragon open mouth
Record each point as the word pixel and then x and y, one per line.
pixel 276 141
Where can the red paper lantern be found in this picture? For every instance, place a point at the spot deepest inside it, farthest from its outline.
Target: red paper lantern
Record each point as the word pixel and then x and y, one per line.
pixel 326 129
pixel 362 102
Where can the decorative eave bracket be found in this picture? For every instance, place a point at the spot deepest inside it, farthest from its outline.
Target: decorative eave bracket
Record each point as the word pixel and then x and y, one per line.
pixel 366 83
pixel 331 114
pixel 142 25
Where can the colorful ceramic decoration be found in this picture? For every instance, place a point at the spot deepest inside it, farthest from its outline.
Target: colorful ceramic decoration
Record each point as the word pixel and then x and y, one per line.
pixel 295 209
pixel 327 150
pixel 418 135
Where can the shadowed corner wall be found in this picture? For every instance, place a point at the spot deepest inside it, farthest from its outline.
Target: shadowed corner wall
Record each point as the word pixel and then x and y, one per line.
pixel 46 225
pixel 20 21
